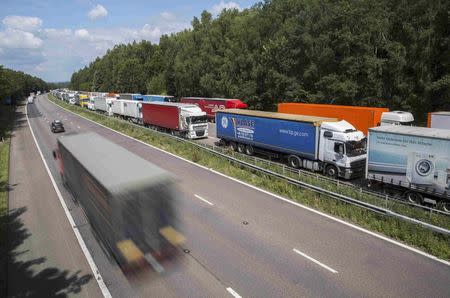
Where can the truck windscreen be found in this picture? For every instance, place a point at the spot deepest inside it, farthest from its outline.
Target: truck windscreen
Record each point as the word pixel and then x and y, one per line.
pixel 198 119
pixel 355 148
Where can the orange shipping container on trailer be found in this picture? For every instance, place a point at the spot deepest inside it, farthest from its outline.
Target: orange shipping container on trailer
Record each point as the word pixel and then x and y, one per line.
pixel 362 118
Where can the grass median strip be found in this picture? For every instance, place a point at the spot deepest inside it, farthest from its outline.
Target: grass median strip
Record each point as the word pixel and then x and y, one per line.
pixel 433 243
pixel 6 124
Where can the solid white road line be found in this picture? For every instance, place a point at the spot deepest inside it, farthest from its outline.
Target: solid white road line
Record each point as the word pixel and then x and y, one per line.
pixel 315 261
pixel 392 241
pixel 83 246
pixel 233 292
pixel 204 200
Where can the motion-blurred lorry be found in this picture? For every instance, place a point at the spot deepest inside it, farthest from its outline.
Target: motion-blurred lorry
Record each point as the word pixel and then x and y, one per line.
pixel 362 118
pixel 439 120
pixel 413 160
pixel 30 99
pixel 315 143
pixel 134 216
pixel 186 120
pixel 211 105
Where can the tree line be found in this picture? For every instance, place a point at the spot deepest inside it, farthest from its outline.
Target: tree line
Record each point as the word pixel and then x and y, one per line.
pixel 16 85
pixel 356 52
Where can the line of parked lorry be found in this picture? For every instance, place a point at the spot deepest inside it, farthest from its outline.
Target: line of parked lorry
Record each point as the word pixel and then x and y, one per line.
pixel 339 141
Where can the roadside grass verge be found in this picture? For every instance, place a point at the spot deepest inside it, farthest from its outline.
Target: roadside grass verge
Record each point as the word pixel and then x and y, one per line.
pixel 411 234
pixel 436 219
pixel 6 124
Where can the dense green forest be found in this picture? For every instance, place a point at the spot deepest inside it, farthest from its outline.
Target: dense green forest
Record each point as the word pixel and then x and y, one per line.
pixel 17 85
pixel 358 52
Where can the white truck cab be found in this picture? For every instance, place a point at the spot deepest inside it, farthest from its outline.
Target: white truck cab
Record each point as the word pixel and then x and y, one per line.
pixel 342 149
pixel 194 121
pixel 397 118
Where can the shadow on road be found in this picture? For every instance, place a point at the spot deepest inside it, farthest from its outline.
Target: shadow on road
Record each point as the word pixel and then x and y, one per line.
pixel 31 278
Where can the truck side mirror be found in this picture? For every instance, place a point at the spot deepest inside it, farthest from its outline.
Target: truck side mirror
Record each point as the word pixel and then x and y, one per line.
pixel 328 134
pixel 54 154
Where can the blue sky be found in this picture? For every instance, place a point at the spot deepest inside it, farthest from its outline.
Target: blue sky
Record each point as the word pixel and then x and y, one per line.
pixel 52 39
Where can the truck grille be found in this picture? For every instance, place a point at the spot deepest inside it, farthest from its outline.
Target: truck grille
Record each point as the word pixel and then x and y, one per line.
pixel 358 164
pixel 199 133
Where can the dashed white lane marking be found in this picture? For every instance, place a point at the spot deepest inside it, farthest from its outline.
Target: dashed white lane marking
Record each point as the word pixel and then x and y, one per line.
pixel 233 292
pixel 315 261
pixel 83 246
pixel 204 200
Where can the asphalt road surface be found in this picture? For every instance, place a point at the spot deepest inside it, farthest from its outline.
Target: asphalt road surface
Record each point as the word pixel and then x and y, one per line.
pixel 45 259
pixel 281 250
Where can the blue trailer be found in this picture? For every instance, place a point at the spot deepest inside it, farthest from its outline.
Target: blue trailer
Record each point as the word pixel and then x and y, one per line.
pixel 131 96
pixel 159 98
pixel 315 143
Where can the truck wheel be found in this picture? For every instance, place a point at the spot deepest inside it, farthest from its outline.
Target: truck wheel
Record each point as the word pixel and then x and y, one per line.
pixel 249 150
pixel 241 148
pixel 234 146
pixel 446 207
pixel 294 161
pixel 414 197
pixel 331 171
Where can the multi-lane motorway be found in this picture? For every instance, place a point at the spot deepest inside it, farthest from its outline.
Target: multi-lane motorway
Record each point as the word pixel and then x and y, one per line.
pixel 240 241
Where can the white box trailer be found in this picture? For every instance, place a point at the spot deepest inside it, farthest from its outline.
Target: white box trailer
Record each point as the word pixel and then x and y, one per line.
pixel 103 104
pixel 128 109
pixel 439 120
pixel 413 159
pixel 117 107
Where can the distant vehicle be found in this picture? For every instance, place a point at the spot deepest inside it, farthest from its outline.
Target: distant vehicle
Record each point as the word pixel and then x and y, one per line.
pixel 104 104
pixel 38 93
pixel 186 120
pixel 91 103
pixel 211 105
pixel 439 120
pixel 134 216
pixel 131 96
pixel 163 98
pixel 30 99
pixel 128 109
pixel 320 144
pixel 413 160
pixel 57 126
pixel 362 118
pixel 82 100
pixel 397 118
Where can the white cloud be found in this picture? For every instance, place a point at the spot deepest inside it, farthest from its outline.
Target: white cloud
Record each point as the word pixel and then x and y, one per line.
pixel 97 12
pixel 55 53
pixel 22 23
pixel 82 34
pixel 18 39
pixel 217 9
pixel 56 33
pixel 168 15
pixel 149 32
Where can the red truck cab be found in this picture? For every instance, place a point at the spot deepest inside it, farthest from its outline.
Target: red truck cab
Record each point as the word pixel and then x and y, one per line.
pixel 211 105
